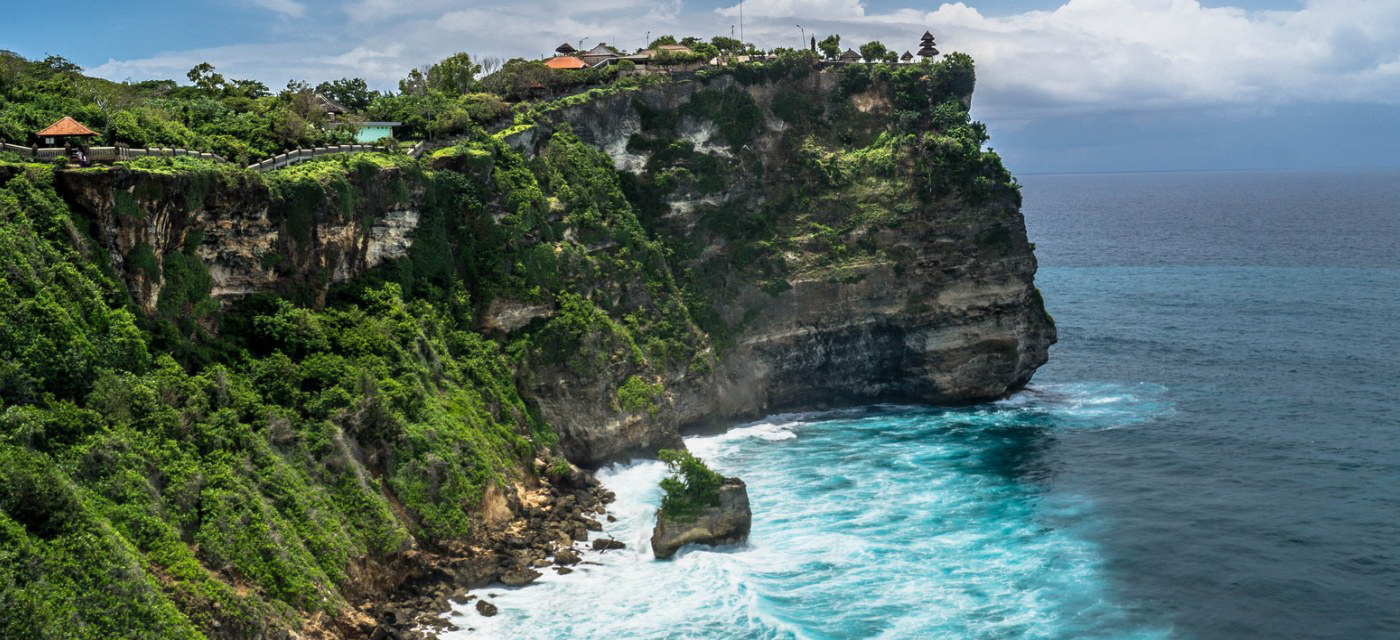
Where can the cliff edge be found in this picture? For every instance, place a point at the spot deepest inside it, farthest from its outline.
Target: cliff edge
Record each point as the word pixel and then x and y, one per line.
pixel 840 234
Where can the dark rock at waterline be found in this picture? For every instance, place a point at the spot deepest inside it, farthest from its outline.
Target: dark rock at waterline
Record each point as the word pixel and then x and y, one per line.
pixel 485 608
pixel 519 577
pixel 605 544
pixel 726 523
pixel 563 571
pixel 566 557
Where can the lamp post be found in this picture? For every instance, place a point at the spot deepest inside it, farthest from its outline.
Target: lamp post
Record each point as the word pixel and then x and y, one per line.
pixel 741 21
pixel 803 42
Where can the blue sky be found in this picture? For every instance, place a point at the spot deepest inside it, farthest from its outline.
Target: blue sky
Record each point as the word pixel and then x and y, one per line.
pixel 1064 85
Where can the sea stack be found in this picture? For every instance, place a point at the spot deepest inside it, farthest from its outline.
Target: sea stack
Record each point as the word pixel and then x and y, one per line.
pixel 725 523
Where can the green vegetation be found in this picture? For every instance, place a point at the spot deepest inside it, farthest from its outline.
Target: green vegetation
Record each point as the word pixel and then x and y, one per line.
pixel 237 119
pixel 174 464
pixel 690 488
pixel 637 395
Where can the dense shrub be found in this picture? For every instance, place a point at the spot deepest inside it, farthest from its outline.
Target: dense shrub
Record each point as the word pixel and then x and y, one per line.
pixel 690 487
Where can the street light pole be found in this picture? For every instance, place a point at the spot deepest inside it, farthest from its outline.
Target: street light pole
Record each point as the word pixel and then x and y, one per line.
pixel 741 21
pixel 803 42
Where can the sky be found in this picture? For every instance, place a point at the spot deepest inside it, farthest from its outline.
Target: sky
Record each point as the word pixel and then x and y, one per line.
pixel 1063 85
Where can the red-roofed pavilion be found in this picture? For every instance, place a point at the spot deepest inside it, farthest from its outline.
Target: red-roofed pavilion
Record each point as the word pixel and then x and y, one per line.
pixel 66 127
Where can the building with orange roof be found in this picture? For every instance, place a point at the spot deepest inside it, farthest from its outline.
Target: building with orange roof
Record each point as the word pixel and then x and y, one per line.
pixel 565 62
pixel 66 127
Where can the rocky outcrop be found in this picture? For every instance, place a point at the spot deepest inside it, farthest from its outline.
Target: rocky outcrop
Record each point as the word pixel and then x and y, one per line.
pixel 726 523
pixel 931 299
pixel 247 239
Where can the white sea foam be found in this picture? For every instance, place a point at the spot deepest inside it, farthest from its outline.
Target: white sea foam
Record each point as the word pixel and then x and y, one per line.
pixel 867 524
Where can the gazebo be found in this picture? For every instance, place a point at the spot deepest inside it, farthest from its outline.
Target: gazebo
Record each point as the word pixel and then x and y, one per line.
pixel 565 49
pixel 906 57
pixel 926 48
pixel 57 133
pixel 850 56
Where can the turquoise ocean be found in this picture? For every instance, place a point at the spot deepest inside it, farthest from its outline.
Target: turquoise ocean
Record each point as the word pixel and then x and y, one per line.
pixel 1212 452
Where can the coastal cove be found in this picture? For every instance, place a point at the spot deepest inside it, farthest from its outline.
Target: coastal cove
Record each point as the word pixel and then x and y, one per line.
pixel 1219 473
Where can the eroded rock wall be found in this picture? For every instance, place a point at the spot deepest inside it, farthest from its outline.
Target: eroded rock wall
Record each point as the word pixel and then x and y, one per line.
pixel 932 298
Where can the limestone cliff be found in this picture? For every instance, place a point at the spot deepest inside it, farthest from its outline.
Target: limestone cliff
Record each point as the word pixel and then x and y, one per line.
pixel 817 237
pixel 848 247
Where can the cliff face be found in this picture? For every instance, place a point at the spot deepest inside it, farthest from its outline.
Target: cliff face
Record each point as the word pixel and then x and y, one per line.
pixel 844 253
pixel 246 239
pixel 831 238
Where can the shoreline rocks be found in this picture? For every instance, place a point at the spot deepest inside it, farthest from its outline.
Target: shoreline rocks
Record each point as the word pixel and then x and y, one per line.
pixel 543 527
pixel 726 523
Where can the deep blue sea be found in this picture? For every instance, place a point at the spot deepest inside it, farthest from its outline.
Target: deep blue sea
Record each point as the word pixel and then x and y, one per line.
pixel 1212 452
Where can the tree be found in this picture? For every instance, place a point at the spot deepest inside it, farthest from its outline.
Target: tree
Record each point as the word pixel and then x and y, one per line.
pixel 354 93
pixel 830 46
pixel 663 40
pixel 490 64
pixel 890 57
pixel 516 78
pixel 60 64
pixel 691 485
pixel 109 97
pixel 202 76
pixel 873 51
pixel 727 45
pixel 455 75
pixel 298 115
pixel 704 49
pixel 415 83
pixel 11 66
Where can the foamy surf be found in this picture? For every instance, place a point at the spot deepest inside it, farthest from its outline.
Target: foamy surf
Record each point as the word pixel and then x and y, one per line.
pixel 885 522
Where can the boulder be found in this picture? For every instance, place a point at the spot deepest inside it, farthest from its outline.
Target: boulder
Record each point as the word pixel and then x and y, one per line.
pixel 519 577
pixel 607 544
pixel 485 608
pixel 566 557
pixel 726 523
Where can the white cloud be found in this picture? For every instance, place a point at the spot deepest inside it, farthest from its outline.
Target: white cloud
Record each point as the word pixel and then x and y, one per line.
pixel 819 9
pixel 289 8
pixel 1084 56
pixel 1139 54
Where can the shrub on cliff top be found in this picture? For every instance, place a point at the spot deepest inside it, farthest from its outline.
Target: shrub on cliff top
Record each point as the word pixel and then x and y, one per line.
pixel 692 485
